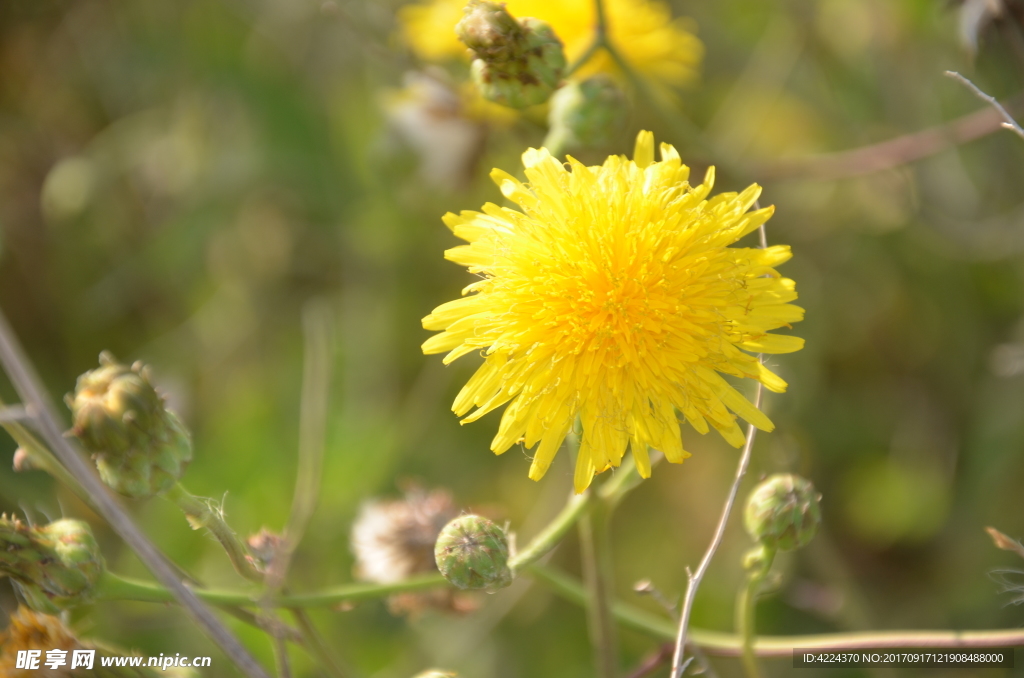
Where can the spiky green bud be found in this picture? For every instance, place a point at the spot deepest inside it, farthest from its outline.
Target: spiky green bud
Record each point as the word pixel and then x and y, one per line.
pixel 517 63
pixel 586 114
pixel 782 512
pixel 472 553
pixel 140 447
pixel 53 567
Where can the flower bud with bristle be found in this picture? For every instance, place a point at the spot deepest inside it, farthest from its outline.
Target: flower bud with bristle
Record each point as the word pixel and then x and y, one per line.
pixel 587 114
pixel 140 447
pixel 782 512
pixel 472 553
pixel 53 567
pixel 517 63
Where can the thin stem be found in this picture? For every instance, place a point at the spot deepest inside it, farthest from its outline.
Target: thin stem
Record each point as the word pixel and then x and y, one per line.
pixel 600 23
pixel 14 413
pixel 681 127
pixel 33 394
pixel 624 480
pixel 1008 121
pixel 715 643
pixel 694 580
pixel 760 562
pixel 745 608
pixel 41 458
pixel 887 154
pixel 316 379
pixel 585 57
pixel 114 587
pixel 653 662
pixel 201 513
pixel 281 661
pixel 315 643
pixel 594 547
pixel 719 644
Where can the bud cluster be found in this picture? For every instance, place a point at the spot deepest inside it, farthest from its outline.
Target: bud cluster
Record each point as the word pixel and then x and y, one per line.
pixel 140 447
pixel 517 63
pixel 53 567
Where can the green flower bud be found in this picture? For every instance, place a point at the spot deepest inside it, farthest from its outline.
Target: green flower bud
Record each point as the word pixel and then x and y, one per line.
pixel 782 512
pixel 586 114
pixel 472 553
pixel 140 447
pixel 518 63
pixel 52 567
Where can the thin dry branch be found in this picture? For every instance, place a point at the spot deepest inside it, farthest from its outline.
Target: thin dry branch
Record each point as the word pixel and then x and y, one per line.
pixel 36 399
pixel 889 154
pixel 1008 121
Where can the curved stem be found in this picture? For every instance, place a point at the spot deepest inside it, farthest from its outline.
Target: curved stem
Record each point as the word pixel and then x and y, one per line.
pixel 201 513
pixel 745 608
pixel 759 563
pixel 551 536
pixel 717 643
pixel 720 644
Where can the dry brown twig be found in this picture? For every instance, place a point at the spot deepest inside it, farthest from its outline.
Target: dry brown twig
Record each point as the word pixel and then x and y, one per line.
pixel 891 153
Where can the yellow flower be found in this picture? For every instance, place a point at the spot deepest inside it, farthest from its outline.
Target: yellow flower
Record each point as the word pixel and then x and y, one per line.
pixel 612 294
pixel 643 30
pixel 28 630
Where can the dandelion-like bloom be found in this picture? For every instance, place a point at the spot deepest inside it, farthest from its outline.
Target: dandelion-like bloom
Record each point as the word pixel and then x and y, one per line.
pixel 28 630
pixel 644 31
pixel 612 294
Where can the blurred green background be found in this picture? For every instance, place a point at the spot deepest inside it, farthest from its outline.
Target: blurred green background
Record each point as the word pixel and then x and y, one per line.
pixel 178 179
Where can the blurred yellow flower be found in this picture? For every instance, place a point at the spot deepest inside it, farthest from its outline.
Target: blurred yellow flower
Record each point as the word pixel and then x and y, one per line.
pixel 643 30
pixel 612 294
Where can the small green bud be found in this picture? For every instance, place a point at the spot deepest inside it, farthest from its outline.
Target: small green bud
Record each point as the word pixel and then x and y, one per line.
pixel 52 567
pixel 517 63
pixel 472 553
pixel 782 512
pixel 586 114
pixel 140 447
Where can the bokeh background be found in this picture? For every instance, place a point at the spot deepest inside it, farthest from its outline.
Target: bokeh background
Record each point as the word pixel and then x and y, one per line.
pixel 178 179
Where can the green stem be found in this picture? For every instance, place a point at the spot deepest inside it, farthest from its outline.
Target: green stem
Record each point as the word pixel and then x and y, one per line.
pixel 281 661
pixel 591 50
pixel 597 575
pixel 552 535
pixel 114 587
pixel 200 513
pixel 315 643
pixel 600 23
pixel 717 643
pixel 41 458
pixel 759 562
pixel 624 480
pixel 722 644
